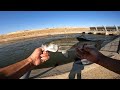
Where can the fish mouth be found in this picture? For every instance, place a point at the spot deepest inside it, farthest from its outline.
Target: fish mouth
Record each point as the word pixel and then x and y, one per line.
pixel 50 47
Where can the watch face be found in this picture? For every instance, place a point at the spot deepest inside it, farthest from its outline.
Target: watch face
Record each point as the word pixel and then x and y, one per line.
pixel 86 62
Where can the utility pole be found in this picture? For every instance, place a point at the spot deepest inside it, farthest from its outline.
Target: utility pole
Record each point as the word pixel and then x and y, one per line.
pixel 106 30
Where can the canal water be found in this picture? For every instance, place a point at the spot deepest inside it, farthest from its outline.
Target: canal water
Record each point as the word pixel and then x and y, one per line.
pixel 16 51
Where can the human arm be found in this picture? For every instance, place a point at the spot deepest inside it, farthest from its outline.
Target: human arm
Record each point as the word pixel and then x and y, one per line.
pixel 93 55
pixel 15 71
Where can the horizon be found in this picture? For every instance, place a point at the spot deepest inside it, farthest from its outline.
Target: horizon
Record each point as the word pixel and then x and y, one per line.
pixel 54 28
pixel 14 21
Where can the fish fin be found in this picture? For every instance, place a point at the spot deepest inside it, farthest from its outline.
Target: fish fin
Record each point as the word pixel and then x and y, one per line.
pixel 65 53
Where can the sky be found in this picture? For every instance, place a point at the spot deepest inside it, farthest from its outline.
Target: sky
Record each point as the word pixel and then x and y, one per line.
pixel 12 21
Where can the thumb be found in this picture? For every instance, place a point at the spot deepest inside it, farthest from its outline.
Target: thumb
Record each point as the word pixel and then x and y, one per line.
pixel 79 50
pixel 91 50
pixel 88 49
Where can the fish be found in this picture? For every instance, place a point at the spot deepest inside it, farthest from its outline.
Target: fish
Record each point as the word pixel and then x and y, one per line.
pixel 65 45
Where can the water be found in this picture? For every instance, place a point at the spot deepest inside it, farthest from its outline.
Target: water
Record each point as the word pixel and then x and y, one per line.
pixel 16 51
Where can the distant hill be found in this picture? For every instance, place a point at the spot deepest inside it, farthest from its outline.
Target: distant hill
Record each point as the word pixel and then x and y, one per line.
pixel 34 33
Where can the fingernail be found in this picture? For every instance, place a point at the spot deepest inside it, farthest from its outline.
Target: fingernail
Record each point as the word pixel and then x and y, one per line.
pixel 41 58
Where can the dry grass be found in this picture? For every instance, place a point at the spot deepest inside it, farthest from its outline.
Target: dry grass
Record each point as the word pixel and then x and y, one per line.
pixel 34 33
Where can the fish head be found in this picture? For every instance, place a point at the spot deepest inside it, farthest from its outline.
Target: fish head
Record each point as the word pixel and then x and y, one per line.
pixel 50 47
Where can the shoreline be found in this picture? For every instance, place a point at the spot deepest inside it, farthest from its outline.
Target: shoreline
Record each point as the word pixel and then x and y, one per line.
pixel 39 33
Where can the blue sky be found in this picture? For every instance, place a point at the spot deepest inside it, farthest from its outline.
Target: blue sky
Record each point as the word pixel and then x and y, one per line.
pixel 11 21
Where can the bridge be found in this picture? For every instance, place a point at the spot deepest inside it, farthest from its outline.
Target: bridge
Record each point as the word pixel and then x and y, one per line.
pixel 105 30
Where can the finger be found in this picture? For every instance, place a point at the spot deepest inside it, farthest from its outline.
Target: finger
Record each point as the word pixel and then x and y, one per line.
pixel 79 52
pixel 37 62
pixel 88 48
pixel 45 54
pixel 84 46
pixel 38 51
pixel 81 56
pixel 80 47
pixel 45 58
pixel 42 48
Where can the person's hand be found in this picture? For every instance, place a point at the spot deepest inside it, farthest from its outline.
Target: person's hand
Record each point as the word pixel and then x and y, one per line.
pixel 89 53
pixel 38 56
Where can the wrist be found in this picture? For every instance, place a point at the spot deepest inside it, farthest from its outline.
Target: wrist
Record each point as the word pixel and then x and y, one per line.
pixel 100 57
pixel 30 61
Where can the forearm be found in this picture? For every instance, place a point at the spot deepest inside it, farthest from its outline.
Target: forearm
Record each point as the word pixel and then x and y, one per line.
pixel 109 63
pixel 16 70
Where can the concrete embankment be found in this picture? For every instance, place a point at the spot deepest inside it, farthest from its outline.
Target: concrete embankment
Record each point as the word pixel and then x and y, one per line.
pixel 92 71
